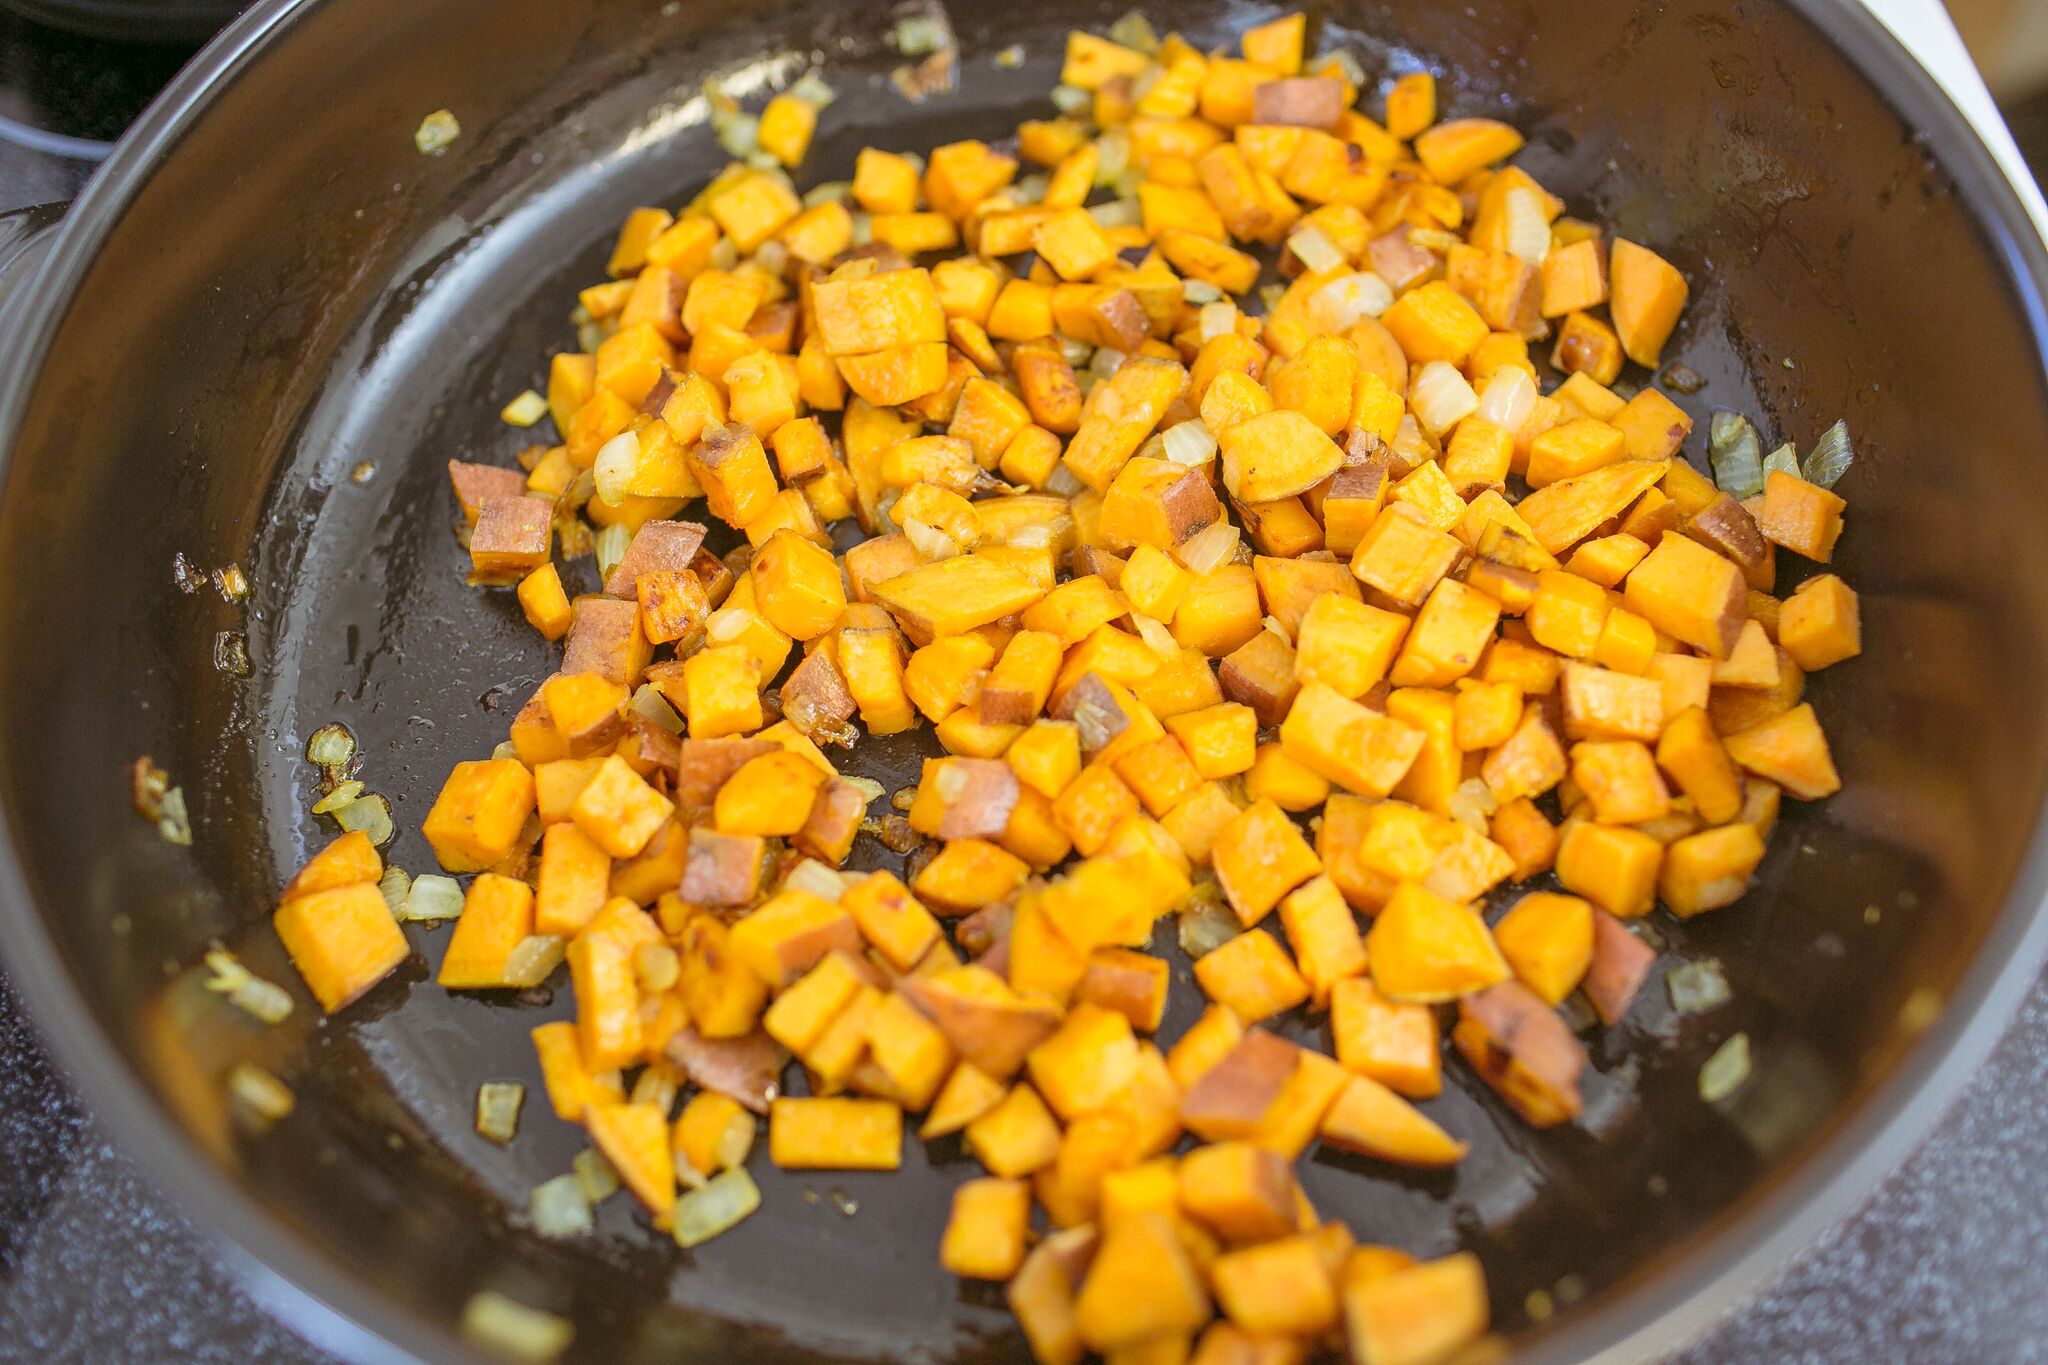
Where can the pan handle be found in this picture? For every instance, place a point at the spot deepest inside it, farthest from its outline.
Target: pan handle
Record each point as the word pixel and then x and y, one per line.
pixel 25 236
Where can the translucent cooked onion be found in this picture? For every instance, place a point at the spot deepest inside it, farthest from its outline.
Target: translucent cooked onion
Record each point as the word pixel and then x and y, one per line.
pixel 1199 292
pixel 812 90
pixel 1071 99
pixel 1347 66
pixel 655 1086
pixel 504 748
pixel 331 745
pixel 396 884
pixel 1206 921
pixel 1135 31
pixel 1030 189
pixel 533 959
pixel 436 133
pixel 1735 453
pixel 433 897
pixel 1207 548
pixel 1075 353
pixel 1124 212
pixel 618 460
pixel 734 1143
pixel 523 411
pixel 1314 249
pixel 1156 635
pixel 1114 155
pixel 1106 361
pixel 1339 304
pixel 262 1097
pixel 594 1175
pixel 513 1330
pixel 1471 803
pixel 1697 987
pixel 497 1110
pixel 1189 443
pixel 726 1199
pixel 611 546
pixel 1830 457
pixel 1785 460
pixel 1725 1071
pixel 821 881
pixel 1410 443
pixel 1216 319
pixel 369 815
pixel 245 990
pixel 656 967
pixel 869 788
pixel 1528 229
pixel 344 794
pixel 1508 398
pixel 650 704
pixel 1440 397
pixel 929 540
pixel 828 192
pixel 557 1208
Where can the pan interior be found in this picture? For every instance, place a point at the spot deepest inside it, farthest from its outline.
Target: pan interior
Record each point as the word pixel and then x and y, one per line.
pixel 300 319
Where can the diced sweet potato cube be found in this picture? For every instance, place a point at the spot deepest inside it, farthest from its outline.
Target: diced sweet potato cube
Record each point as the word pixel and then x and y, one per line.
pixel 1420 1315
pixel 1326 941
pixel 1235 1096
pixel 348 861
pixel 606 638
pixel 835 1135
pixel 635 1140
pixel 1790 750
pixel 510 539
pixel 1260 674
pixel 1359 749
pixel 1548 940
pixel 1803 517
pixel 342 939
pixel 1403 556
pixel 1448 634
pixel 1563 513
pixel 1346 644
pixel 1370 1118
pixel 571 1088
pixel 722 869
pixel 985 1236
pixel 1119 416
pixel 1130 982
pixel 1277 1288
pixel 575 875
pixel 658 546
pixel 1820 623
pixel 1260 858
pixel 1620 778
pixel 1613 867
pixel 1693 755
pixel 1648 294
pixel 990 1025
pixel 953 596
pixel 618 810
pixel 480 814
pixel 1252 976
pixel 1600 703
pixel 1621 962
pixel 1708 870
pixel 1426 948
pixel 788 934
pixel 1276 455
pixel 1016 1137
pixel 1141 1285
pixel 1521 1048
pixel 1240 1192
pixel 1393 1042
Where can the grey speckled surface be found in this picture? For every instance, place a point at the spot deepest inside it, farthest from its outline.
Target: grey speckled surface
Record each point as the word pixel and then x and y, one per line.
pixel 1943 1265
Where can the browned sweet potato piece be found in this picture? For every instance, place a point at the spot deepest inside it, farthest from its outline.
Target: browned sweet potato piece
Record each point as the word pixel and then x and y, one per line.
pixel 989 1024
pixel 648 745
pixel 977 796
pixel 722 869
pixel 714 573
pixel 815 699
pixel 605 639
pixel 1521 1048
pixel 747 1068
pixel 1303 101
pixel 1399 261
pixel 836 813
pixel 1725 525
pixel 476 484
pixel 1620 963
pixel 1093 704
pixel 656 546
pixel 986 930
pixel 1190 505
pixel 511 538
pixel 703 765
pixel 1260 674
pixel 1231 1098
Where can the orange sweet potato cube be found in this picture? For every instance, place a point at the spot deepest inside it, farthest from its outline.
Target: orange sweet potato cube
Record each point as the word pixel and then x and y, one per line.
pixel 1790 750
pixel 1390 1041
pixel 1620 779
pixel 342 939
pixel 1252 976
pixel 1820 623
pixel 1327 945
pixel 480 814
pixel 1403 556
pixel 786 935
pixel 1426 1312
pixel 1548 940
pixel 1141 1285
pixel 1277 1288
pixel 835 1134
pixel 1444 643
pixel 985 1235
pixel 1259 858
pixel 1359 749
pixel 1612 867
pixel 1708 870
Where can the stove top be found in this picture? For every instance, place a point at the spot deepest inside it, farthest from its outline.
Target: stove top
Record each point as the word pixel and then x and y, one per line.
pixel 98 1266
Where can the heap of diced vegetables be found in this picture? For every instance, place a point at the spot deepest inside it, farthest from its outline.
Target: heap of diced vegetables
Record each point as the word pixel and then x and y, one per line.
pixel 1316 605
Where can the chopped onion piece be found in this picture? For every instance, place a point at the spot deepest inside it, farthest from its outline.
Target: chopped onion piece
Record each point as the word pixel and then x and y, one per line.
pixel 1062 481
pixel 821 881
pixel 1207 548
pixel 1343 301
pixel 1071 99
pixel 595 1174
pixel 497 1110
pixel 504 748
pixel 1440 398
pixel 869 788
pixel 915 35
pixel 1106 362
pixel 513 1330
pixel 1528 228
pixel 1010 58
pixel 245 990
pixel 812 90
pixel 233 585
pixel 1199 292
pixel 1124 212
pixel 1313 247
pixel 1347 67
pixel 1189 443
pixel 396 884
pixel 863 230
pixel 1830 457
pixel 1075 353
pixel 1135 32
pixel 1217 319
pixel 726 1199
pixel 1725 1071
pixel 1735 454
pixel 1410 442
pixel 649 702
pixel 738 134
pixel 1697 987
pixel 343 795
pixel 331 745
pixel 433 897
pixel 929 540
pixel 617 461
pixel 263 1098
pixel 1206 921
pixel 1156 635
pixel 1471 802
pixel 735 1143
pixel 612 542
pixel 656 1086
pixel 231 653
pixel 557 1208
pixel 656 966
pixel 827 192
pixel 1508 398
pixel 1270 296
pixel 533 959
pixel 1784 459
pixel 371 815
pixel 1030 190
pixel 437 131
pixel 523 411
pixel 1114 152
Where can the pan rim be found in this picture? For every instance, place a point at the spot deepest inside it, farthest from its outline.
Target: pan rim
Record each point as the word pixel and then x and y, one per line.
pixel 1674 1304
